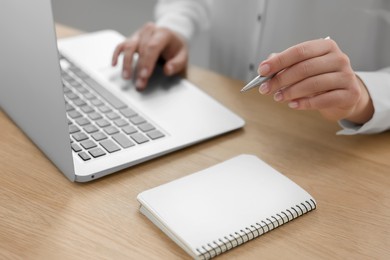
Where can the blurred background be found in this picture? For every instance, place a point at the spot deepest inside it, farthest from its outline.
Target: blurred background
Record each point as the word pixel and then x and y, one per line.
pixel 124 16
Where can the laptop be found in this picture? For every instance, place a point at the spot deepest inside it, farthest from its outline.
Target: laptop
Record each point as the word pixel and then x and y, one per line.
pixel 77 109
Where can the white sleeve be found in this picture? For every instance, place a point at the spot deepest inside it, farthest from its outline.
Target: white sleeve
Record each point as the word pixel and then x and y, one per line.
pixel 186 17
pixel 378 86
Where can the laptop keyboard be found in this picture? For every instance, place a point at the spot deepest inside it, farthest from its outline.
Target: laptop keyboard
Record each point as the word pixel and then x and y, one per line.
pixel 100 123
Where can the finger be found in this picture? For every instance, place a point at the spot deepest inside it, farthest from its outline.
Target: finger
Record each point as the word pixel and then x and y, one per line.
pixel 327 104
pixel 145 34
pixel 317 85
pixel 118 50
pixel 329 63
pixel 150 52
pixel 295 54
pixel 130 48
pixel 332 99
pixel 177 63
pixel 323 101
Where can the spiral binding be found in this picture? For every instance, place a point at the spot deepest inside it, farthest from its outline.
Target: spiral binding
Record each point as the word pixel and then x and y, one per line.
pixel 224 244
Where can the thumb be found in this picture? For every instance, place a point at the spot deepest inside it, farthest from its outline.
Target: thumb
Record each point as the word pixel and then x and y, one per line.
pixel 176 64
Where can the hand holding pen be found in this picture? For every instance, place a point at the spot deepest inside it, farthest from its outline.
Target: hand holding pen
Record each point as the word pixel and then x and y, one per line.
pixel 315 75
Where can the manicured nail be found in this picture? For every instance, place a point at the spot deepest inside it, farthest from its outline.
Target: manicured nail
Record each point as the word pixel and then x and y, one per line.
pixel 278 96
pixel 264 88
pixel 264 69
pixel 143 73
pixel 139 84
pixel 293 104
pixel 125 74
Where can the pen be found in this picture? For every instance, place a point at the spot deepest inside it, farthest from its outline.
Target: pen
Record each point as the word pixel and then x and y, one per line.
pixel 256 82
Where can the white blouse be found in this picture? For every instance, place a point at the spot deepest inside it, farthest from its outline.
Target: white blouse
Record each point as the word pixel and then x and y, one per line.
pixel 243 33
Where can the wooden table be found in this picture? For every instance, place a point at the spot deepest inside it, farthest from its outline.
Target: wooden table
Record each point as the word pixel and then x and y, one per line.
pixel 44 216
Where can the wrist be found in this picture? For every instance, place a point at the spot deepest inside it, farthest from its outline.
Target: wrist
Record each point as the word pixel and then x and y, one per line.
pixel 364 109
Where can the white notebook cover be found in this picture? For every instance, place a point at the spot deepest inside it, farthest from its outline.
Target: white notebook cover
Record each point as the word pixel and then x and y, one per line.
pixel 216 209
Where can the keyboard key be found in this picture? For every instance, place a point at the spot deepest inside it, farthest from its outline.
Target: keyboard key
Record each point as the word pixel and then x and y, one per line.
pixel 88 144
pixel 112 115
pixel 129 129
pixel 120 122
pixel 80 136
pixel 84 156
pixel 111 130
pixel 89 96
pixel 66 77
pixel 110 146
pixel 103 123
pixel 70 79
pixel 81 89
pixel 69 107
pixel 90 129
pixel 95 116
pixel 128 112
pixel 66 89
pixel 137 120
pixel 155 134
pixel 105 109
pixel 87 109
pixel 99 136
pixel 139 138
pixel 74 114
pixel 79 102
pixel 146 127
pixel 71 95
pixel 123 140
pixel 97 152
pixel 75 147
pixel 73 129
pixel 97 102
pixel 75 84
pixel 82 121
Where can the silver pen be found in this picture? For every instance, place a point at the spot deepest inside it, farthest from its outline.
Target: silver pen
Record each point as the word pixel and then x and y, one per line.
pixel 256 82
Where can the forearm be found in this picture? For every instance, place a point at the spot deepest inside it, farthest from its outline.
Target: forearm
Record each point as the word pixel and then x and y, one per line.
pixel 186 17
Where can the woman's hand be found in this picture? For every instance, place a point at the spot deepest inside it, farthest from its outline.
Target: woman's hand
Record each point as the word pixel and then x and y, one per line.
pixel 151 43
pixel 317 75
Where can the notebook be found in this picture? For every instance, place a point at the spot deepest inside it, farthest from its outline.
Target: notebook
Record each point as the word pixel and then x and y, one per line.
pixel 224 206
pixel 79 111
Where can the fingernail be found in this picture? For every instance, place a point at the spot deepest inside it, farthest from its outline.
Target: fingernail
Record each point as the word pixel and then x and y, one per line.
pixel 139 84
pixel 143 73
pixel 264 88
pixel 125 74
pixel 278 96
pixel 264 69
pixel 293 104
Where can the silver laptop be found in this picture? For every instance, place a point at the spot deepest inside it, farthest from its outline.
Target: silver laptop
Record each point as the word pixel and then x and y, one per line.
pixel 79 111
